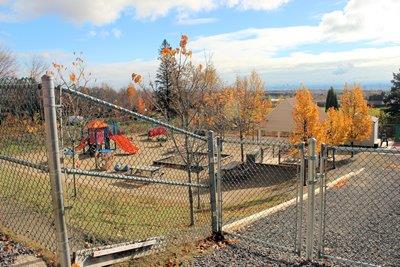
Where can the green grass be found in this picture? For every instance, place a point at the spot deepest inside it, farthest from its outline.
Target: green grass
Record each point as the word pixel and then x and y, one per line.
pixel 17 145
pixel 375 111
pixel 99 214
pixel 257 202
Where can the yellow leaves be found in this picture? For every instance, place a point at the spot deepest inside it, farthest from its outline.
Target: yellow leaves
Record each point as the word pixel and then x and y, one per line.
pixel 306 118
pixel 136 78
pixel 140 105
pixel 337 127
pixel 30 127
pixel 131 91
pixel 167 51
pixel 72 77
pixel 240 106
pixel 355 108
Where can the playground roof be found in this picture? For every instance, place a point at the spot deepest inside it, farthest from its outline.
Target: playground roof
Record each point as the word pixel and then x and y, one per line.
pixel 96 124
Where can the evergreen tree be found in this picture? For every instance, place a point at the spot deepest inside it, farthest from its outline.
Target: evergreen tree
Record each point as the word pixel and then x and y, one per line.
pixel 331 100
pixel 392 100
pixel 163 90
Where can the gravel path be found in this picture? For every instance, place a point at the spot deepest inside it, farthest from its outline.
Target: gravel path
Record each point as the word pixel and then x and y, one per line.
pixel 362 222
pixel 10 250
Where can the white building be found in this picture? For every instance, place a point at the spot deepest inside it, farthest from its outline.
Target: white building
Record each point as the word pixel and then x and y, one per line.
pixel 279 123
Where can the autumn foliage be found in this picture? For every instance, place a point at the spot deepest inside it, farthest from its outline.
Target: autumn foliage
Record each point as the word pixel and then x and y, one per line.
pixel 355 108
pixel 306 118
pixel 239 107
pixel 337 126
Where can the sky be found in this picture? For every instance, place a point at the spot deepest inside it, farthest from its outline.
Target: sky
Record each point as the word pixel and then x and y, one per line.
pixel 289 42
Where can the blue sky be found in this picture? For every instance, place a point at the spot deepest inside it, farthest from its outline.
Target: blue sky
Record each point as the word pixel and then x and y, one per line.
pixel 287 41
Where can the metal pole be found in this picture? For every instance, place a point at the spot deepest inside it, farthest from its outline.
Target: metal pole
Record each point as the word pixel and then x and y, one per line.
pixel 312 157
pixel 322 200
pixel 53 153
pixel 300 200
pixel 212 160
pixel 219 188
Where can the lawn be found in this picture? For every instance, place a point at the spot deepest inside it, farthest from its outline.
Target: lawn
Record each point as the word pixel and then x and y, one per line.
pixel 102 215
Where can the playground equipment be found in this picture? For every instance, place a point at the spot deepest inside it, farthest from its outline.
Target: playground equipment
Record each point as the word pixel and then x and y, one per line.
pixel 97 135
pixel 157 131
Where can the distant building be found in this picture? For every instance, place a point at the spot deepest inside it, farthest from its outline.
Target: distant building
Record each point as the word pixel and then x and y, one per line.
pixel 279 123
pixel 376 100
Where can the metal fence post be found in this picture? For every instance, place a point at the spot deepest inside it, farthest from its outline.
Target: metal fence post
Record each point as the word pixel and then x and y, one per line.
pixel 212 160
pixel 300 199
pixel 53 153
pixel 219 186
pixel 322 200
pixel 312 158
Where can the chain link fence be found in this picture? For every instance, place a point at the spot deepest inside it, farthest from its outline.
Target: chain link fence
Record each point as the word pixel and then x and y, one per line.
pixel 262 180
pixel 128 178
pixel 359 214
pixel 25 196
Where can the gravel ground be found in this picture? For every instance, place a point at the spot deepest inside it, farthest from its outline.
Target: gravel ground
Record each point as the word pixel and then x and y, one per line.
pixel 362 222
pixel 10 250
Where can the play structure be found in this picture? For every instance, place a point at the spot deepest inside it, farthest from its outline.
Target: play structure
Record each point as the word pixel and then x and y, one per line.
pixel 97 136
pixel 157 131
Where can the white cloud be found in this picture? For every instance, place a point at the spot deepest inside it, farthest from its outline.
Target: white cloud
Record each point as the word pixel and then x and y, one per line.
pixel 103 33
pixel 257 4
pixel 364 20
pixel 276 52
pixel 100 12
pixel 196 21
pixel 116 32
pixel 92 33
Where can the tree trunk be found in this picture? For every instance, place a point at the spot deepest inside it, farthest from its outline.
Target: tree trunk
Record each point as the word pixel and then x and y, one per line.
pixel 334 159
pixel 198 190
pixel 352 152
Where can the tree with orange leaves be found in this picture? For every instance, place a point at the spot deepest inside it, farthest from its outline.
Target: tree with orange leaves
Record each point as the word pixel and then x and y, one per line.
pixel 306 118
pixel 140 105
pixel 187 84
pixel 131 96
pixel 239 107
pixel 337 127
pixel 355 108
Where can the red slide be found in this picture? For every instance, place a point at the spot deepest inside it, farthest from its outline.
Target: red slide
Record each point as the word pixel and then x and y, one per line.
pixel 82 144
pixel 124 144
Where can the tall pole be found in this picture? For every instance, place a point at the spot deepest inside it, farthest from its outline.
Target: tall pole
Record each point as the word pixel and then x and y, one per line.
pixel 53 154
pixel 312 159
pixel 212 161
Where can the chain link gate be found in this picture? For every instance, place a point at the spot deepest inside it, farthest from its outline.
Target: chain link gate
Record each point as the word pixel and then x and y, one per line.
pixel 358 211
pixel 124 185
pixel 260 189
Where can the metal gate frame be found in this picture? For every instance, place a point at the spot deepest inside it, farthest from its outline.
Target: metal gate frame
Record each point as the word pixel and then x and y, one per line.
pixel 321 175
pixel 297 247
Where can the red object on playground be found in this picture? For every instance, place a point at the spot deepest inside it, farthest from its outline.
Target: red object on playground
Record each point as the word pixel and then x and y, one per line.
pixel 124 144
pixel 82 144
pixel 157 131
